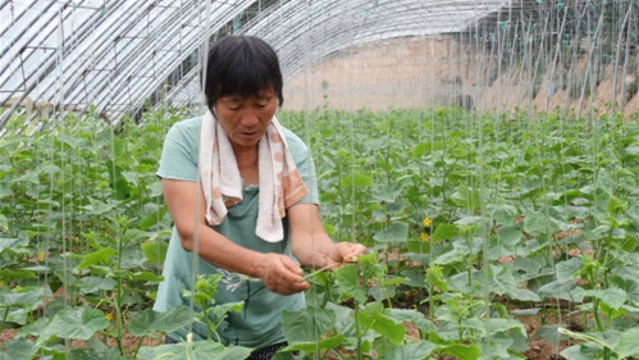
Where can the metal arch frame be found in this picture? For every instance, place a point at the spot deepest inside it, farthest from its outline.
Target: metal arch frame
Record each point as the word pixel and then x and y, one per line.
pixel 301 42
pixel 397 19
pixel 303 32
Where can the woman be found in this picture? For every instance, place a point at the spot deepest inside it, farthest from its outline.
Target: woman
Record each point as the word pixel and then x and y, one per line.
pixel 215 170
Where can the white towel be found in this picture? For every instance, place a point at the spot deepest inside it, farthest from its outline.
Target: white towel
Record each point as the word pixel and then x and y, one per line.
pixel 280 183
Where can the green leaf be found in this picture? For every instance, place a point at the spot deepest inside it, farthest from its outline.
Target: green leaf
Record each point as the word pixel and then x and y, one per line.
pixel 536 222
pixel 526 295
pixel 7 274
pixel 93 284
pixel 281 355
pixel 27 298
pixel 324 344
pixel 155 251
pixel 347 278
pixel 307 325
pixel 421 149
pixel 612 296
pixel 5 189
pixel 97 207
pixel 221 310
pixel 144 276
pixel 628 344
pixel 451 257
pixel 153 218
pixel 496 326
pixel 4 222
pixel 357 180
pixel 132 257
pixel 13 243
pixel 100 257
pixel 631 287
pixel 559 289
pixel 74 323
pixel 503 214
pixel 445 232
pixel 396 232
pixel 414 278
pixel 550 333
pixel 372 317
pixel 498 347
pixel 435 278
pixel 462 352
pixel 420 350
pixel 17 349
pixel 632 150
pixel 466 198
pixel 509 238
pixel 616 205
pixel 210 350
pixel 97 350
pixel 525 312
pixel 454 256
pixel 579 352
pixel 148 321
pixel 413 316
pixel 567 269
pixel 135 234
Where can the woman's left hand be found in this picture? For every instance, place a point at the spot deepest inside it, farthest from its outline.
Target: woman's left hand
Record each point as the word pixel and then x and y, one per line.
pixel 344 253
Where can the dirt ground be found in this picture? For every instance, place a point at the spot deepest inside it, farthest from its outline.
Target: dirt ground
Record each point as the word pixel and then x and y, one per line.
pixel 439 71
pixel 538 349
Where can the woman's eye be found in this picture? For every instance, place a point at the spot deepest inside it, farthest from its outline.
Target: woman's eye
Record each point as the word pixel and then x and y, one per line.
pixel 260 105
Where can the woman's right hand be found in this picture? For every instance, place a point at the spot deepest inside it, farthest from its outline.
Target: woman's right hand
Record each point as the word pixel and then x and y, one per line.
pixel 281 274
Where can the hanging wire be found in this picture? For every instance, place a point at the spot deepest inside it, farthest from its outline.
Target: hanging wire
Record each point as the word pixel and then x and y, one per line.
pixel 204 50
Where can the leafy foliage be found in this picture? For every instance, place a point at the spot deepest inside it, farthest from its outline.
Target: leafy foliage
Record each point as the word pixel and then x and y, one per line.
pixel 471 220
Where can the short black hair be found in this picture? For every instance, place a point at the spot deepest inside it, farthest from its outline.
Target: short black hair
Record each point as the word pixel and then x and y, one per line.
pixel 241 65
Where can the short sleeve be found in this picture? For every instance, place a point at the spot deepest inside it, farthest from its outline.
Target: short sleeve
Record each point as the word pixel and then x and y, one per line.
pixel 180 151
pixel 305 166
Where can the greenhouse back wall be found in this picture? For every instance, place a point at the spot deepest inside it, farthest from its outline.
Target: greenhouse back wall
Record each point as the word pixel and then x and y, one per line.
pixel 319 179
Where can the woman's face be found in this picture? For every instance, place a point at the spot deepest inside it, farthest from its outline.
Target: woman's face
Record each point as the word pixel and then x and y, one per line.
pixel 245 120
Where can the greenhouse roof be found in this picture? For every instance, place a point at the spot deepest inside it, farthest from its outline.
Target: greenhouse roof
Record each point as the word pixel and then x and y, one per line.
pixel 115 56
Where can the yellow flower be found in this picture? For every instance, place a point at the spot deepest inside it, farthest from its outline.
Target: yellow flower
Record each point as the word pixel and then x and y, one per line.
pixel 426 222
pixel 1 283
pixel 109 316
pixel 424 237
pixel 41 255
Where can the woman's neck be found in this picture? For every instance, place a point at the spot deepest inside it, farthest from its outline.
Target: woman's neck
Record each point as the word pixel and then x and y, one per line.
pixel 247 163
pixel 245 156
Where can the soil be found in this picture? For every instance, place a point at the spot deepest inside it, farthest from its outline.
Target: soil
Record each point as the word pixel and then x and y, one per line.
pixel 538 349
pixel 129 342
pixel 439 70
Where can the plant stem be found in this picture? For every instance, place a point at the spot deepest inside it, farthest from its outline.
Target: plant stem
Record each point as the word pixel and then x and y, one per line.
pixel 431 303
pixel 118 295
pixel 327 294
pixel 137 347
pixel 4 318
pixel 312 274
pixel 595 313
pixel 209 326
pixel 357 333
pixel 357 329
pixel 595 305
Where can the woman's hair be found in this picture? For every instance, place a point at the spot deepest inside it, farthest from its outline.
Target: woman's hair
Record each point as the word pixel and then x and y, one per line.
pixel 242 65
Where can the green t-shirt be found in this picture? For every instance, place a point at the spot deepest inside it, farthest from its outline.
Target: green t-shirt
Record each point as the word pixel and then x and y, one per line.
pixel 258 324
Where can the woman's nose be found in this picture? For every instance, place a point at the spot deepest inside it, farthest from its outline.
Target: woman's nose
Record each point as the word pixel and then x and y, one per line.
pixel 249 119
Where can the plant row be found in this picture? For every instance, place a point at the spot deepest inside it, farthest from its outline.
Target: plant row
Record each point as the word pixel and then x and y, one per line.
pixel 473 221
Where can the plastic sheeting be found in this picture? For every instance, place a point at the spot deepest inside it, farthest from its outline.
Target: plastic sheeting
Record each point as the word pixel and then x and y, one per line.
pixel 115 57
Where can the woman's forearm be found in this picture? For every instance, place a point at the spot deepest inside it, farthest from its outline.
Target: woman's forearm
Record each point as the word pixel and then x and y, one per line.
pixel 221 252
